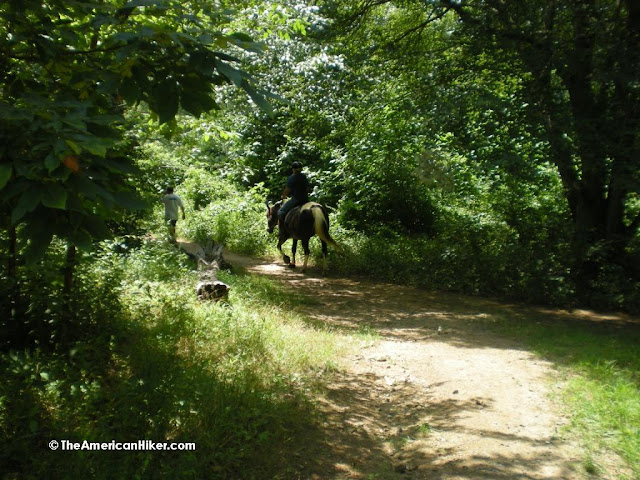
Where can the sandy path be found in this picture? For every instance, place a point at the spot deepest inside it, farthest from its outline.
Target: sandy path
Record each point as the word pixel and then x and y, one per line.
pixel 437 396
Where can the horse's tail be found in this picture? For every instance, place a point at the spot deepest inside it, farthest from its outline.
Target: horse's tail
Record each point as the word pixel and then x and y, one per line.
pixel 321 225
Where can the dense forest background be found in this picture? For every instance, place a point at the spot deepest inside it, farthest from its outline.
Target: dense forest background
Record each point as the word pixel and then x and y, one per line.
pixel 477 146
pixel 470 146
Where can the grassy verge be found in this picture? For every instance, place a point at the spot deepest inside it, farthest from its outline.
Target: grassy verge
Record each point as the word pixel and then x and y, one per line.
pixel 601 367
pixel 153 363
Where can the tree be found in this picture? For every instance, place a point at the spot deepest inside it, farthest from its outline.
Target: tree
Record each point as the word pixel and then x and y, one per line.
pixel 583 62
pixel 68 72
pixel 576 65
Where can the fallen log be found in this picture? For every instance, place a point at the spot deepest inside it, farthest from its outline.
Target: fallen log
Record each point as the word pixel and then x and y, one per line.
pixel 209 260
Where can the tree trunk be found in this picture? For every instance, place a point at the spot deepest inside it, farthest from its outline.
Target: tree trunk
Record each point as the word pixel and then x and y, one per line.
pixel 13 327
pixel 69 267
pixel 67 292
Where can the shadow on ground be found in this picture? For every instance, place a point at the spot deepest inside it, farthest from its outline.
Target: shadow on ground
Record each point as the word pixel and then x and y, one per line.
pixel 382 435
pixel 375 425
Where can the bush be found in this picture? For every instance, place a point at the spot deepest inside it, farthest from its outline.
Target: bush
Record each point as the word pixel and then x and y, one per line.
pixel 383 193
pixel 202 187
pixel 237 221
pixel 152 362
pixel 467 253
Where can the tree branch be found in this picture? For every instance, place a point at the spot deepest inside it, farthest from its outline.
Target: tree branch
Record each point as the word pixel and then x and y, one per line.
pixel 355 18
pixel 421 26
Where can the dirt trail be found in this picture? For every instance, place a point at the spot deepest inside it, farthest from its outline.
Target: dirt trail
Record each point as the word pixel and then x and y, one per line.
pixel 436 396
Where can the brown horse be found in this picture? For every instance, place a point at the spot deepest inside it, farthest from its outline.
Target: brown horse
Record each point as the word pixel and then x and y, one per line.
pixel 302 223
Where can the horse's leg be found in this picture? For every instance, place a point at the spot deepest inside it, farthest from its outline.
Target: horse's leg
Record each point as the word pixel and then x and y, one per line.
pixel 285 258
pixel 305 246
pixel 294 247
pixel 324 256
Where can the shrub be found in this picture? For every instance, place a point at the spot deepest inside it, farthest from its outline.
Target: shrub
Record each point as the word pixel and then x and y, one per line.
pixel 383 193
pixel 237 221
pixel 152 362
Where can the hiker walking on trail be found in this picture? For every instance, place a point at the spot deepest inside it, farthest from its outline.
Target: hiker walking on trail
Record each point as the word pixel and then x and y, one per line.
pixel 172 203
pixel 297 188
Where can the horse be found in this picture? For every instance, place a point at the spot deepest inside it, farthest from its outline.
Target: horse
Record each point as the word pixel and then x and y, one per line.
pixel 301 223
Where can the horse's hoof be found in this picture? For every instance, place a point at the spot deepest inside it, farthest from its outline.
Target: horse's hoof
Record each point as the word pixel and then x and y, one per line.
pixel 292 265
pixel 286 259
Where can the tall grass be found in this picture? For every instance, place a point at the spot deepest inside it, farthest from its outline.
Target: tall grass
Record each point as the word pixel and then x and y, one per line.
pixel 155 363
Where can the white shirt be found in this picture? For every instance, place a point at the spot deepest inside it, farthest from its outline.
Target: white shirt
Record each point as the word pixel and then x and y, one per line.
pixel 171 203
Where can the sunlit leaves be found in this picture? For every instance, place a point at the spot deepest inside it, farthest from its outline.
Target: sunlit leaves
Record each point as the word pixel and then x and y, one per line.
pixel 70 71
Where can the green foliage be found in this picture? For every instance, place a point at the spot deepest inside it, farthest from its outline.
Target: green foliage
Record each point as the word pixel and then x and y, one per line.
pixel 237 222
pixel 202 188
pixel 68 71
pixel 466 253
pixel 155 363
pixel 34 310
pixel 382 192
pixel 455 155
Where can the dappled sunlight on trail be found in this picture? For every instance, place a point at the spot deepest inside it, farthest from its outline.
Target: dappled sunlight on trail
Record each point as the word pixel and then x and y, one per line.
pixel 437 394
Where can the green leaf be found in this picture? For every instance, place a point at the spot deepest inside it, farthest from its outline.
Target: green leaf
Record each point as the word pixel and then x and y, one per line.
pixel 74 146
pixel 96 146
pixel 194 95
pixel 37 235
pixel 257 97
pixel 26 203
pixel 5 174
pixel 51 162
pixel 82 240
pixel 166 101
pixel 241 36
pixel 196 102
pixel 233 74
pixel 54 196
pixel 130 91
pixel 120 165
pixel 201 62
pixel 37 246
pixel 129 200
pixel 224 56
pixel 76 123
pixel 96 227
pixel 245 42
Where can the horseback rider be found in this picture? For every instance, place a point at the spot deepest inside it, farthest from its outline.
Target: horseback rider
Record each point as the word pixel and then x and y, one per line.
pixel 297 189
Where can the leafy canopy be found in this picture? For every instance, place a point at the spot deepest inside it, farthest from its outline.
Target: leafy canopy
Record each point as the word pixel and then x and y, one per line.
pixel 69 71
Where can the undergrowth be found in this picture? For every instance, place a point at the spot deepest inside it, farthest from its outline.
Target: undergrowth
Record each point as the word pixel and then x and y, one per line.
pixel 150 362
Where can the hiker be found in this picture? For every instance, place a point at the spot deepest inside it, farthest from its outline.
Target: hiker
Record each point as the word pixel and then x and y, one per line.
pixel 172 203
